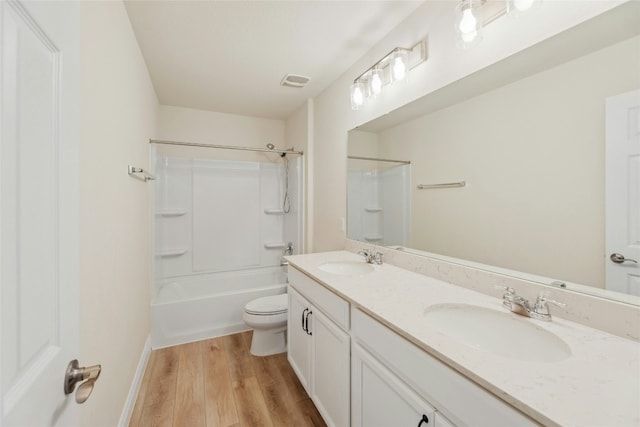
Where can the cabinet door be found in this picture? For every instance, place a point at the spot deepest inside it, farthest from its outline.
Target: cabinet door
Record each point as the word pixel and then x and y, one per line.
pixel 298 341
pixel 379 398
pixel 331 370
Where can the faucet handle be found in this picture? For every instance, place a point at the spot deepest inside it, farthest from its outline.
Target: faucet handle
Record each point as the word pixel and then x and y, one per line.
pixel 378 257
pixel 508 297
pixel 368 256
pixel 541 306
pixel 509 291
pixel 543 299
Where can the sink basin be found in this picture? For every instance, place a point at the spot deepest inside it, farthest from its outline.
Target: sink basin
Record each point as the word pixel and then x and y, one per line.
pixel 502 333
pixel 349 268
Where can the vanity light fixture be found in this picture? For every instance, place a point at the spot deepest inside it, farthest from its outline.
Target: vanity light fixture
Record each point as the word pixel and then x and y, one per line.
pixel 393 67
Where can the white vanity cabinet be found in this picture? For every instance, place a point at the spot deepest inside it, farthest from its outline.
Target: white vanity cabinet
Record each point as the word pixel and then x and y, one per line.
pixel 419 380
pixel 319 346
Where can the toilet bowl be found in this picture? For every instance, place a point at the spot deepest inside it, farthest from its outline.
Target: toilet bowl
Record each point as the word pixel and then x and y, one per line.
pixel 268 318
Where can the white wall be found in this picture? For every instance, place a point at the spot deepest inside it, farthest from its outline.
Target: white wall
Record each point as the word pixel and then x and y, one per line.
pixel 208 127
pixel 532 154
pixel 333 116
pixel 118 116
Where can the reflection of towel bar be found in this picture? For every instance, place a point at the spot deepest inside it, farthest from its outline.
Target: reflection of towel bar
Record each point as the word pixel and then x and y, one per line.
pixel 275 245
pixel 134 171
pixel 444 185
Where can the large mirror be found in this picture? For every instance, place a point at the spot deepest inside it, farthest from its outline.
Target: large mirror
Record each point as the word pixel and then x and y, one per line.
pixel 521 148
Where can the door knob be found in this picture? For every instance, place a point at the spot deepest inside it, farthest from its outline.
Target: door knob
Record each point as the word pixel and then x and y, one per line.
pixel 619 258
pixel 87 376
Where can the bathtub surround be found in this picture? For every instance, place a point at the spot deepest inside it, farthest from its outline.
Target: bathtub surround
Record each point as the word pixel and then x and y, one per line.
pixel 220 234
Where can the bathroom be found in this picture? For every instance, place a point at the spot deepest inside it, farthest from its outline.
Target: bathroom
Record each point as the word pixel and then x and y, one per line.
pixel 123 100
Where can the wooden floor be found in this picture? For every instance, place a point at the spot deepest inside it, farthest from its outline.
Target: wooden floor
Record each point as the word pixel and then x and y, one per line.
pixel 217 382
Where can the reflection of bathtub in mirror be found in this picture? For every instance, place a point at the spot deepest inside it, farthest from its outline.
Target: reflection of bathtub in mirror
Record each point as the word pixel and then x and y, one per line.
pixel 531 151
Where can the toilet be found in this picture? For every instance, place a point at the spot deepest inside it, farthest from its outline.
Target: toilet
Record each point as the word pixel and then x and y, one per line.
pixel 268 318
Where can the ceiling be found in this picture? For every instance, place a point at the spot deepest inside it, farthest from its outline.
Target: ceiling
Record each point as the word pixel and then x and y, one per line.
pixel 230 56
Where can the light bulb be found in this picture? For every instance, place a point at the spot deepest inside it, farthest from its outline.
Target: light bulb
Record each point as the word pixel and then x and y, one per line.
pixel 468 22
pixel 399 66
pixel 375 81
pixel 357 95
pixel 399 70
pixel 468 37
pixel 522 5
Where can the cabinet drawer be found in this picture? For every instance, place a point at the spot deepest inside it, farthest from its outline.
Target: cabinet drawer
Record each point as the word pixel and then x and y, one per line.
pixel 458 398
pixel 331 304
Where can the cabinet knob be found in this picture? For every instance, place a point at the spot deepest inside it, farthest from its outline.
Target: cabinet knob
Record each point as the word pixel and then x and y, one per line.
pixel 424 419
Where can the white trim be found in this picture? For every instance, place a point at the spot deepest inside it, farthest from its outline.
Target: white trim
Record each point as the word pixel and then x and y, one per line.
pixel 309 188
pixel 125 416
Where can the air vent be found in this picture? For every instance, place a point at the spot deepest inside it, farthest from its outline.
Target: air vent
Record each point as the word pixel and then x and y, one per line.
pixel 293 80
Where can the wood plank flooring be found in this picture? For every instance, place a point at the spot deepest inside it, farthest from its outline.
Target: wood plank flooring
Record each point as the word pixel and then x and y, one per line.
pixel 218 383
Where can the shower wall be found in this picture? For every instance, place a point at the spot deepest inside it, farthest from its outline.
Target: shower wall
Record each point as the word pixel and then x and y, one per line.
pixel 223 215
pixel 378 204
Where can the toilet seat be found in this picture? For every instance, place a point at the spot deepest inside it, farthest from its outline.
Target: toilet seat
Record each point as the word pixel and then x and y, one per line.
pixel 267 306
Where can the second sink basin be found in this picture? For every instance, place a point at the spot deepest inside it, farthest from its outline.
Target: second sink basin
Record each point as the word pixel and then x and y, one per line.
pixel 352 268
pixel 501 333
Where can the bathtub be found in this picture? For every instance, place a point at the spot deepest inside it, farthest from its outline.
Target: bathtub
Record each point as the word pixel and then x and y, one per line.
pixel 192 308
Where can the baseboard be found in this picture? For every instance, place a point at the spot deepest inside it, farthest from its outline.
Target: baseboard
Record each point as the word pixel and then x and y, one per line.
pixel 162 341
pixel 125 416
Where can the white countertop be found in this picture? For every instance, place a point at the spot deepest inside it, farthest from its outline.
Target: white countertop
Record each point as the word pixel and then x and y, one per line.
pixel 598 385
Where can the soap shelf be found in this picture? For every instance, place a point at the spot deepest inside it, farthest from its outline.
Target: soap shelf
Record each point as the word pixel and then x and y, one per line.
pixel 372 238
pixel 171 253
pixel 274 211
pixel 171 212
pixel 373 209
pixel 275 245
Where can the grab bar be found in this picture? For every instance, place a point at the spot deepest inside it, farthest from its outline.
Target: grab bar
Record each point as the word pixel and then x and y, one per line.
pixel 443 185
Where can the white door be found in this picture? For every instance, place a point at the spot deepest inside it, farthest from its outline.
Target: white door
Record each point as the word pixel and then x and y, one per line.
pixel 40 75
pixel 623 193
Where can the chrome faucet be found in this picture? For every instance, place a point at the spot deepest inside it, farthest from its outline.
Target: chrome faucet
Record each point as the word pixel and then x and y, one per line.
pixel 519 305
pixel 372 258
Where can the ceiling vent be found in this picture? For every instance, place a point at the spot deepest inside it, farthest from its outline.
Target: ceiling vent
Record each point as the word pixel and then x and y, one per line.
pixel 293 80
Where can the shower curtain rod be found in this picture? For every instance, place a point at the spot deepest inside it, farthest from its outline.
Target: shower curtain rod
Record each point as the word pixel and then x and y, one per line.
pixel 226 147
pixel 406 162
